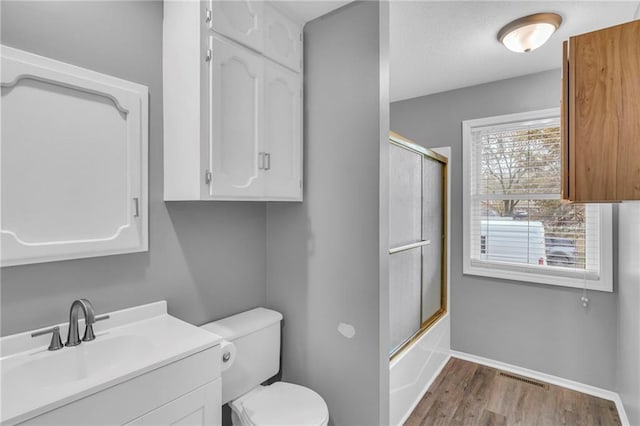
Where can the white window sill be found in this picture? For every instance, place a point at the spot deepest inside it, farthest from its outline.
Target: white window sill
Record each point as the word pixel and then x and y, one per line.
pixel 546 275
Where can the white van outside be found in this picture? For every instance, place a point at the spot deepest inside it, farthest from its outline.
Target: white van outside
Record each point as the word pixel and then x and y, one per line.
pixel 512 241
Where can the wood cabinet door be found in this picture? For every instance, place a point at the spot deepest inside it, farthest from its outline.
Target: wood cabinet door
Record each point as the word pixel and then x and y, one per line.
pixel 240 20
pixel 603 127
pixel 235 93
pixel 282 136
pixel 74 161
pixel 282 39
pixel 594 76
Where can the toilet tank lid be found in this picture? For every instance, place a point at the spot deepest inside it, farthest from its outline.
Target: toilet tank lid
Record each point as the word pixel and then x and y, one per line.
pixel 235 326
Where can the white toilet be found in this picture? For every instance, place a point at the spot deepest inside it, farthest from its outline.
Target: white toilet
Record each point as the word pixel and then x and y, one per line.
pixel 255 334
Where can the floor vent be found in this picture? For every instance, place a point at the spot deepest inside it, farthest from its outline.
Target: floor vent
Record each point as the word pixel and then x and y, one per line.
pixel 524 380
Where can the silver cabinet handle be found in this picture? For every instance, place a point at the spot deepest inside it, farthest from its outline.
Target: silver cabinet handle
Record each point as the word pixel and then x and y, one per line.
pixel 267 157
pixel 56 341
pixel 261 156
pixel 136 207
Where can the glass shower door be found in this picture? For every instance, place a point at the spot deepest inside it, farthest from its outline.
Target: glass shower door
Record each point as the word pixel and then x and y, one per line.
pixel 416 238
pixel 405 232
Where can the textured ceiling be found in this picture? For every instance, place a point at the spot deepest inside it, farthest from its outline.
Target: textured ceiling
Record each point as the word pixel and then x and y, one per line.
pixel 440 46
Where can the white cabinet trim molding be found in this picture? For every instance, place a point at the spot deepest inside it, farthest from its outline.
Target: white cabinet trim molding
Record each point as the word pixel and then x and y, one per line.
pixel 67 90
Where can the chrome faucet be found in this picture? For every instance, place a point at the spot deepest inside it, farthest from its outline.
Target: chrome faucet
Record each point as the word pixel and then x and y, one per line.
pixel 73 337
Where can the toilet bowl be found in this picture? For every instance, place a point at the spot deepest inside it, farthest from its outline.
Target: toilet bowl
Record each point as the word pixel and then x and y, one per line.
pixel 280 404
pixel 253 356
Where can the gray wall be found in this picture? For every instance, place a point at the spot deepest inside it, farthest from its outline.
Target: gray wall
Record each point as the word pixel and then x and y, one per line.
pixel 206 258
pixel 535 326
pixel 323 256
pixel 628 361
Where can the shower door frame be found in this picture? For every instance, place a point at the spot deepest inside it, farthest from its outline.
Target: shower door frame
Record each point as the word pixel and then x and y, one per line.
pixel 405 143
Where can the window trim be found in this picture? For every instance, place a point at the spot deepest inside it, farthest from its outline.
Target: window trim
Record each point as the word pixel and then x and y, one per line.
pixel 602 281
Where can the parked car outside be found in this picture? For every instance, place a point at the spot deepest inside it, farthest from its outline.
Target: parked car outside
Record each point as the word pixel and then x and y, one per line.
pixel 560 251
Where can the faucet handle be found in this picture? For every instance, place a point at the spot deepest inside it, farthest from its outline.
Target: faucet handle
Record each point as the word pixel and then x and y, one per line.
pixel 88 330
pixel 56 341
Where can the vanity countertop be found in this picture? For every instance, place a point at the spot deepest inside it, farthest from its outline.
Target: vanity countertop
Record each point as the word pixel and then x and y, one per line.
pixel 130 343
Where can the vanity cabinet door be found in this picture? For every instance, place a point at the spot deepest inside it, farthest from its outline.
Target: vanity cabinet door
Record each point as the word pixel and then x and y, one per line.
pixel 282 136
pixel 74 161
pixel 235 93
pixel 282 39
pixel 240 20
pixel 201 407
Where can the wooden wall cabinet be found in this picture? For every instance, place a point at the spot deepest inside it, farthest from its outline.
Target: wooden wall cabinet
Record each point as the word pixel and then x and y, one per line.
pixel 232 102
pixel 601 115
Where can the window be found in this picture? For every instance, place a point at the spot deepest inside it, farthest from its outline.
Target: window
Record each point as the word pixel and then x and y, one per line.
pixel 515 224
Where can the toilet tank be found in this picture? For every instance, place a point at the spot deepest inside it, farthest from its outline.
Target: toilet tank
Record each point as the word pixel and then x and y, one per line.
pixel 256 336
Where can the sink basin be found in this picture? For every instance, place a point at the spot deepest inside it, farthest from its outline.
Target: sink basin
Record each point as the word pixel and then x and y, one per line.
pixel 130 343
pixel 57 368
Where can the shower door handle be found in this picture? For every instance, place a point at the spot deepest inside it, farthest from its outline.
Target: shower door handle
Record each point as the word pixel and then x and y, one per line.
pixel 409 246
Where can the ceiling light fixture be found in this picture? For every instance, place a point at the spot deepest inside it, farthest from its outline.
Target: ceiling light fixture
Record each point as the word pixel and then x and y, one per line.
pixel 528 33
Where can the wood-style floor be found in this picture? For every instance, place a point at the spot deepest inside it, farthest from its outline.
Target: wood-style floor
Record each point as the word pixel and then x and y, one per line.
pixel 466 393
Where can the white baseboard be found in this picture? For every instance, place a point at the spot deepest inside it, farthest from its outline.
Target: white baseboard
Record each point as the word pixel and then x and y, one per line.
pixel 424 391
pixel 554 380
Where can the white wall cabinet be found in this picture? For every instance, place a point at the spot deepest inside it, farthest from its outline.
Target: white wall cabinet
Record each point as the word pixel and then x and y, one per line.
pixel 235 95
pixel 259 26
pixel 74 161
pixel 240 20
pixel 233 122
pixel 282 39
pixel 282 140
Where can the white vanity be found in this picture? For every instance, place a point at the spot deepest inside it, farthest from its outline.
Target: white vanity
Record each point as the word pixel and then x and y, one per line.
pixel 144 367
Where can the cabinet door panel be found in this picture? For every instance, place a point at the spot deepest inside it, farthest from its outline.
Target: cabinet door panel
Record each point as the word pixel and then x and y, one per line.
pixel 600 111
pixel 74 146
pixel 595 130
pixel 236 90
pixel 240 20
pixel 283 140
pixel 282 39
pixel 198 408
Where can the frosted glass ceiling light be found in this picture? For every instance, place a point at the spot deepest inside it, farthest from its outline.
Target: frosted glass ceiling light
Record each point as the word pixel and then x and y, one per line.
pixel 530 32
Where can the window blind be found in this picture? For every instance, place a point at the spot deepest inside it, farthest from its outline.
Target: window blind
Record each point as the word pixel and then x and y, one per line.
pixel 517 218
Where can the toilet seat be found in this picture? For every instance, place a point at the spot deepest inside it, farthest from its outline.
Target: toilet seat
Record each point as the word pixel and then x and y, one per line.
pixel 281 404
